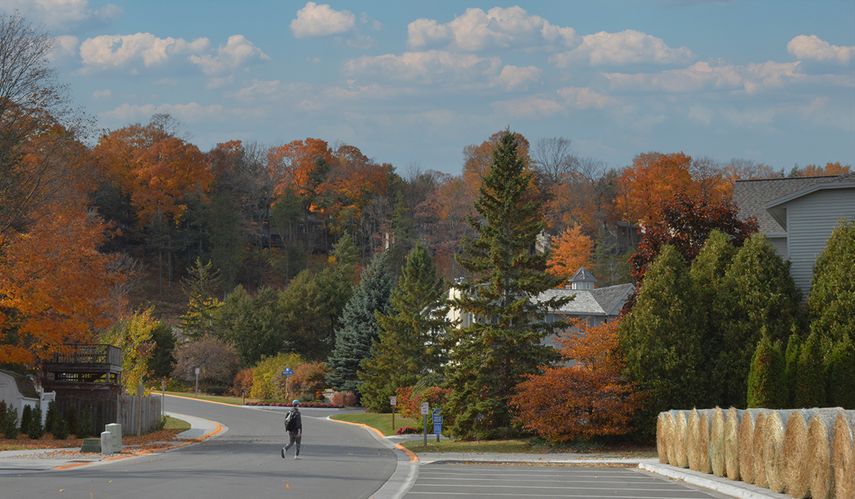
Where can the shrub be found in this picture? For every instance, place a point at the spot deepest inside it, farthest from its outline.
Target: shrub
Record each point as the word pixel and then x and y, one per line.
pixel 36 430
pixel 217 360
pixel 26 419
pixel 841 374
pixel 267 380
pixel 85 426
pixel 344 399
pixel 242 382
pixel 406 430
pixel 410 399
pixel 52 418
pixel 2 415
pixel 10 428
pixel 767 385
pixel 810 381
pixel 791 360
pixel 308 381
pixel 60 431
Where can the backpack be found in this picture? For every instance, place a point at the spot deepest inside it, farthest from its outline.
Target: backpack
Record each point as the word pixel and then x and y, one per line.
pixel 289 420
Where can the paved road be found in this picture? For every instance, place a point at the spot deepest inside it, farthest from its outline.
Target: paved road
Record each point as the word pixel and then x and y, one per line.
pixel 470 481
pixel 337 461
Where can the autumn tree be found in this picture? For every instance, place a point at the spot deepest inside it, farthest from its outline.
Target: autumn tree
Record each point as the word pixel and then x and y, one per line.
pixel 835 168
pixel 135 337
pixel 570 250
pixel 598 401
pixel 491 356
pixel 217 362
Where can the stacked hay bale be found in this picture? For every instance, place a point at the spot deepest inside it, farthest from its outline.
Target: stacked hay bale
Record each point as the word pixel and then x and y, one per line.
pixel 843 455
pixel 747 427
pixel 662 430
pixel 731 443
pixel 758 450
pixel 794 471
pixel 773 449
pixel 680 440
pixel 715 447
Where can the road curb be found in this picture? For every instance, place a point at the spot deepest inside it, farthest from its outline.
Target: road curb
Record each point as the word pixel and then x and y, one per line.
pixel 406 468
pixel 741 490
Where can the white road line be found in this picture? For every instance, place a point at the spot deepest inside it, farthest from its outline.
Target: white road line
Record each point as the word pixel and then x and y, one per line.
pixel 651 482
pixel 541 487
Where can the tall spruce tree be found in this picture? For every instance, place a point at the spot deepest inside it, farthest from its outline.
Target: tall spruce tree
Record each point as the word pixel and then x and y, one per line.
pixel 759 294
pixel 412 334
pixel 707 275
pixel 504 344
pixel 359 329
pixel 661 340
pixel 831 302
pixel 201 287
pixel 791 365
pixel 810 384
pixel 841 374
pixel 767 385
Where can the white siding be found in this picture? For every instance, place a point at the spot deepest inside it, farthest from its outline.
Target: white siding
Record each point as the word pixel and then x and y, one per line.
pixel 780 245
pixel 810 220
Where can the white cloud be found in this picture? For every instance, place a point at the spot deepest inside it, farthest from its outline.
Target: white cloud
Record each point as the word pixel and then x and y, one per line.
pixel 190 112
pixel 568 98
pixel 321 20
pixel 235 53
pixel 425 67
pixel 116 51
pixel 64 46
pixel 585 98
pixel 61 13
pixel 260 89
pixel 105 93
pixel 499 27
pixel 702 76
pixel 814 48
pixel 625 47
pixel 516 77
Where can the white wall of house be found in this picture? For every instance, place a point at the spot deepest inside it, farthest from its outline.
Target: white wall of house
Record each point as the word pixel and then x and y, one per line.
pixel 12 397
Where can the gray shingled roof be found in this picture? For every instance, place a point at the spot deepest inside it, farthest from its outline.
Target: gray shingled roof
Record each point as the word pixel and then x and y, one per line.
pixel 583 275
pixel 601 301
pixel 752 197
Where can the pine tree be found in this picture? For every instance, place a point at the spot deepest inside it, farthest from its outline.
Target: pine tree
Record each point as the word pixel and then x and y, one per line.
pixel 411 342
pixel 759 294
pixel 791 363
pixel 707 275
pixel 841 374
pixel 52 418
pixel 201 286
pixel 661 340
pixel 810 384
pixel 831 302
pixel 225 233
pixel 402 230
pixel 35 429
pixel 504 344
pixel 767 386
pixel 10 428
pixel 359 327
pixel 161 362
pixel 26 419
pixel 303 317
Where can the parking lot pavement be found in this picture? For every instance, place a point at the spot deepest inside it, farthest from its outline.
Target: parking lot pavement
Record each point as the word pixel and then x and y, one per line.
pixel 464 480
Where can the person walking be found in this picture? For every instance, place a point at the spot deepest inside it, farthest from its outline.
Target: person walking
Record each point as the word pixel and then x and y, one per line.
pixel 294 427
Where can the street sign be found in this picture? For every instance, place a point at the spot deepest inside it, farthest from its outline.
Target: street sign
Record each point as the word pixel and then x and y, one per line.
pixel 288 372
pixel 425 408
pixel 196 371
pixel 393 401
pixel 437 423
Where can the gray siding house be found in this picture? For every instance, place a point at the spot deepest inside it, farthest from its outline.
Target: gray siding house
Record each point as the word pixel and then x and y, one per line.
pixel 797 215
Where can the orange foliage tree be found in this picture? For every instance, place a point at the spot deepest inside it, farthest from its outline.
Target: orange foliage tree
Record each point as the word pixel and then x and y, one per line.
pixel 570 250
pixel 588 399
pixel 835 168
pixel 299 165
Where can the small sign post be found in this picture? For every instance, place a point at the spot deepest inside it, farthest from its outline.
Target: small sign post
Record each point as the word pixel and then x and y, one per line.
pixel 287 373
pixel 437 422
pixel 162 397
pixel 196 370
pixel 425 411
pixel 393 401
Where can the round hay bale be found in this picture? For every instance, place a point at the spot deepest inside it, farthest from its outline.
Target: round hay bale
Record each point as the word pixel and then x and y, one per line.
pixel 818 462
pixel 773 449
pixel 715 446
pixel 661 423
pixel 795 451
pixel 758 451
pixel 681 440
pixel 843 455
pixel 731 443
pixel 693 435
pixel 670 447
pixel 746 444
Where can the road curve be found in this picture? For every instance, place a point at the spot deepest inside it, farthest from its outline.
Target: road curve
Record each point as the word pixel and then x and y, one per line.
pixel 337 461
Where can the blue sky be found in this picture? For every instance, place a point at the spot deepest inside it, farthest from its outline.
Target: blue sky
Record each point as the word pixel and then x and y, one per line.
pixel 412 83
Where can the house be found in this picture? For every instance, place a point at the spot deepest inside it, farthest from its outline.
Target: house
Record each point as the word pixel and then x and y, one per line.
pixel 18 390
pixel 589 304
pixel 797 215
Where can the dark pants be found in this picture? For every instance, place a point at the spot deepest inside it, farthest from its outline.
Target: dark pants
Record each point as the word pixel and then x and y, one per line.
pixel 294 437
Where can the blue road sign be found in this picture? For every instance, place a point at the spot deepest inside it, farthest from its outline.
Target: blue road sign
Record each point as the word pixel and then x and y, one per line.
pixel 288 372
pixel 437 421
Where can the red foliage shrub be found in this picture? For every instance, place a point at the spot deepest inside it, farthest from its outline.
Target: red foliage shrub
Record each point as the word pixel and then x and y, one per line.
pixel 409 403
pixel 406 430
pixel 308 381
pixel 310 405
pixel 586 400
pixel 242 382
pixel 344 399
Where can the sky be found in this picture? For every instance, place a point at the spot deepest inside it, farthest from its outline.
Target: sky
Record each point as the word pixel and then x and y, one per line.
pixel 413 83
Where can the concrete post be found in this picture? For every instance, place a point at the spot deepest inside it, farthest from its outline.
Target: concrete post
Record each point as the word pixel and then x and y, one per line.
pixel 106 442
pixel 116 430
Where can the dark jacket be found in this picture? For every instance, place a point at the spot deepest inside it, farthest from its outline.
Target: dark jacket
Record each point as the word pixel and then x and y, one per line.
pixel 296 421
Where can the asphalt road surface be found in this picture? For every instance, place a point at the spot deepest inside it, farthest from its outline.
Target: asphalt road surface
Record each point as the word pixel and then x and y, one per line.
pixel 448 481
pixel 337 461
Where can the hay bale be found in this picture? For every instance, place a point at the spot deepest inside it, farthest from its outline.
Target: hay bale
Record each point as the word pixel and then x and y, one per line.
pixel 758 450
pixel 670 435
pixel 661 423
pixel 747 426
pixel 794 453
pixel 818 462
pixel 843 455
pixel 773 449
pixel 731 443
pixel 715 446
pixel 693 435
pixel 681 440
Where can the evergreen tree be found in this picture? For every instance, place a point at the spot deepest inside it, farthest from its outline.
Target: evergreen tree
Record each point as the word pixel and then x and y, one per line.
pixel 661 340
pixel 411 341
pixel 809 389
pixel 35 429
pixel 162 360
pixel 758 294
pixel 252 324
pixel 791 363
pixel 831 302
pixel 201 286
pixel 767 386
pixel 303 317
pixel 60 431
pixel 504 344
pixel 26 419
pixel 841 374
pixel 225 233
pixel 707 275
pixel 359 328
pixel 10 427
pixel 403 233
pixel 52 419
pixel 335 287
pixel 286 215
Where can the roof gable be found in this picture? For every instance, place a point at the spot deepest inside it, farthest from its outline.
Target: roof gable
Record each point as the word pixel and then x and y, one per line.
pixel 753 196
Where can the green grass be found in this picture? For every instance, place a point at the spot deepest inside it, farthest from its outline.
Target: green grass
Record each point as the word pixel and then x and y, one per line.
pixel 382 422
pixel 175 424
pixel 226 399
pixel 474 446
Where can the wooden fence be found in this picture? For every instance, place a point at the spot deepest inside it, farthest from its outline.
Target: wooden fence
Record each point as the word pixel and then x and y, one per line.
pixel 139 415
